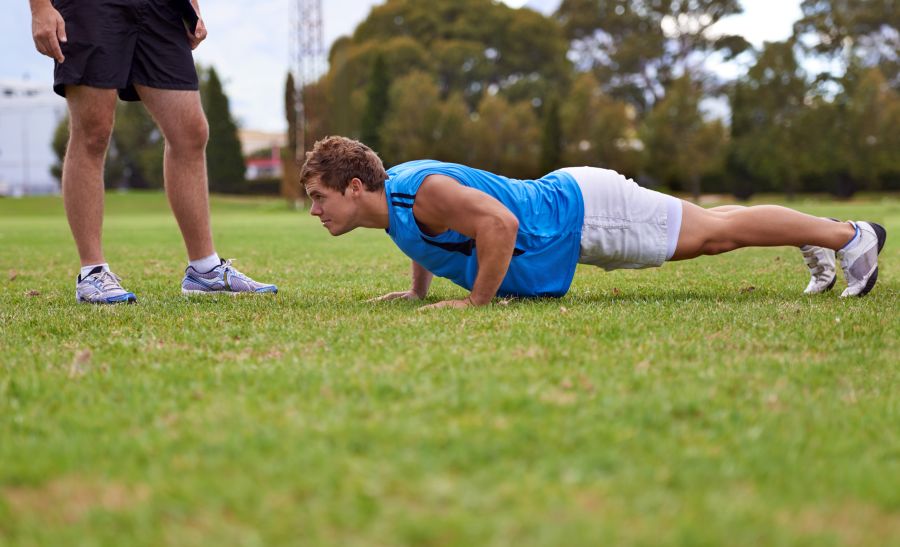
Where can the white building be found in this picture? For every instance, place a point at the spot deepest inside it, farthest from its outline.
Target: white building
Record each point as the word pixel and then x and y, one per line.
pixel 29 114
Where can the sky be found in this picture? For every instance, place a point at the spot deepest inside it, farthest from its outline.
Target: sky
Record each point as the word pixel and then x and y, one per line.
pixel 249 47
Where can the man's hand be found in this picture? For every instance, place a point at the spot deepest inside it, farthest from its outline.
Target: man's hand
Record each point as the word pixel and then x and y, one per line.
pixel 48 29
pixel 406 295
pixel 464 303
pixel 199 34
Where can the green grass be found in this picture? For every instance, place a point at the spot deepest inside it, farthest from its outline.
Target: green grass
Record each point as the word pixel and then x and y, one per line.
pixel 706 402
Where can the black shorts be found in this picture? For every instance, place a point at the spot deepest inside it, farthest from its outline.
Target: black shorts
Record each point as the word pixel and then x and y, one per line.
pixel 114 44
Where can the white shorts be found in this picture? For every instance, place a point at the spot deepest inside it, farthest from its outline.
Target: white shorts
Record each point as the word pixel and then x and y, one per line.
pixel 625 225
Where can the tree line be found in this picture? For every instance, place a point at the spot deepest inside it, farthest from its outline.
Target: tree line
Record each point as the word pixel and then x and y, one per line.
pixel 623 84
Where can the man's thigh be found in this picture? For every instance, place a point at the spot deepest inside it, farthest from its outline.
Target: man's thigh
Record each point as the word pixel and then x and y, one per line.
pixel 91 110
pixel 699 226
pixel 178 113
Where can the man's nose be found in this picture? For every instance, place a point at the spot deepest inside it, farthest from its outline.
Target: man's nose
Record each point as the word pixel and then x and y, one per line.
pixel 315 210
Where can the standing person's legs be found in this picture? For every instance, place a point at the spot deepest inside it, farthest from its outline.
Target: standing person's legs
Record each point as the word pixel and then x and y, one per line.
pixel 91 116
pixel 183 124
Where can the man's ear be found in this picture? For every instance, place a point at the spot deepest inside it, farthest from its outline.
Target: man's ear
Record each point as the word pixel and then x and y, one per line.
pixel 356 186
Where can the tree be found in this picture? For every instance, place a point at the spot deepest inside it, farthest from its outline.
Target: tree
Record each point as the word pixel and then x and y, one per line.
pixel 767 108
pixel 637 48
pixel 377 104
pixel 598 130
pixel 59 144
pixel 853 33
pixel 551 138
pixel 468 47
pixel 413 128
pixel 224 160
pixel 135 155
pixel 505 138
pixel 681 145
pixel 290 177
pixel 290 113
pixel 867 146
pixel 473 45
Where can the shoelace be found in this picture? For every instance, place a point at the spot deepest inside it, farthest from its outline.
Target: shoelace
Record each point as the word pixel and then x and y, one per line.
pixel 232 271
pixel 812 261
pixel 108 281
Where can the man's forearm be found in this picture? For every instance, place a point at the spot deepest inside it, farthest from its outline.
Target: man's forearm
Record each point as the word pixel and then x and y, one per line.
pixel 494 244
pixel 421 279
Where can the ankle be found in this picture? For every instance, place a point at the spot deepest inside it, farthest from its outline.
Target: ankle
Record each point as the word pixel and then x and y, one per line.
pixel 850 235
pixel 88 268
pixel 206 263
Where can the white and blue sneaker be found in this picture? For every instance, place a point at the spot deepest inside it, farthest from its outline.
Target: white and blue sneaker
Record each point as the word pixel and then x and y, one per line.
pixel 102 287
pixel 860 260
pixel 222 279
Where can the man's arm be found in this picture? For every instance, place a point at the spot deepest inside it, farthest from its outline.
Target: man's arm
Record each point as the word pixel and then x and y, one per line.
pixel 421 281
pixel 442 203
pixel 48 29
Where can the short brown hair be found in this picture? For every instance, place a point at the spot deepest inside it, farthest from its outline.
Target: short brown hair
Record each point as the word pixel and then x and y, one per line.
pixel 335 161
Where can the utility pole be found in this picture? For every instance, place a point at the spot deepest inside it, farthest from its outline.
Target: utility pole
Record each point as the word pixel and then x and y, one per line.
pixel 307 60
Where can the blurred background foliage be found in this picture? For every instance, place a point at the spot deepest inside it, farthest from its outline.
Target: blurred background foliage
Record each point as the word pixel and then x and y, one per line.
pixel 621 84
pixel 624 84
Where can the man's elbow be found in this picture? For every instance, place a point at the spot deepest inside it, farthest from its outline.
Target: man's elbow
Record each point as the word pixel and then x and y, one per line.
pixel 506 224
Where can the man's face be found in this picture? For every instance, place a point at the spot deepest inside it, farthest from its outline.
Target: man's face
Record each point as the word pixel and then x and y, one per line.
pixel 336 211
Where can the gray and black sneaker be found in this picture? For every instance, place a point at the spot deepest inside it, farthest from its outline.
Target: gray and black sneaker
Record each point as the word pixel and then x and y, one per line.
pixel 102 287
pixel 860 263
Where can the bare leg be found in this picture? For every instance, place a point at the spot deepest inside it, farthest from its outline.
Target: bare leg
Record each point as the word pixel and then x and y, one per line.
pixel 726 208
pixel 723 229
pixel 91 115
pixel 182 122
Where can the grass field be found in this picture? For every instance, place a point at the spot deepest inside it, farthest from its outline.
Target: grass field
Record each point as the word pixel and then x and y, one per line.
pixel 706 402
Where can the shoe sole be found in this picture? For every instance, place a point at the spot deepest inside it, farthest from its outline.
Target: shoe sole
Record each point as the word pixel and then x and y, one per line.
pixel 881 234
pixel 127 300
pixel 187 292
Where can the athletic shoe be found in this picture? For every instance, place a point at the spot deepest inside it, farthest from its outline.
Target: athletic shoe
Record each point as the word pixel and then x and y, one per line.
pixel 821 264
pixel 222 279
pixel 860 262
pixel 102 287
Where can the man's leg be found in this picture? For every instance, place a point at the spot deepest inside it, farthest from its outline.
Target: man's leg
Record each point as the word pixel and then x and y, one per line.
pixel 820 261
pixel 182 122
pixel 710 232
pixel 714 231
pixel 91 115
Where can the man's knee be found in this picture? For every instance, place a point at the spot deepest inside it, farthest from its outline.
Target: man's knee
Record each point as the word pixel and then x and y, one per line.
pixel 190 137
pixel 91 136
pixel 719 235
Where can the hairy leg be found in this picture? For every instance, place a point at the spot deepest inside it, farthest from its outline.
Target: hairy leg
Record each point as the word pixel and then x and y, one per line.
pixel 723 229
pixel 91 115
pixel 182 122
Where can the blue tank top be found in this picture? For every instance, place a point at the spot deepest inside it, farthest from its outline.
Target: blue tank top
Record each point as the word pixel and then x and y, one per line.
pixel 550 211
